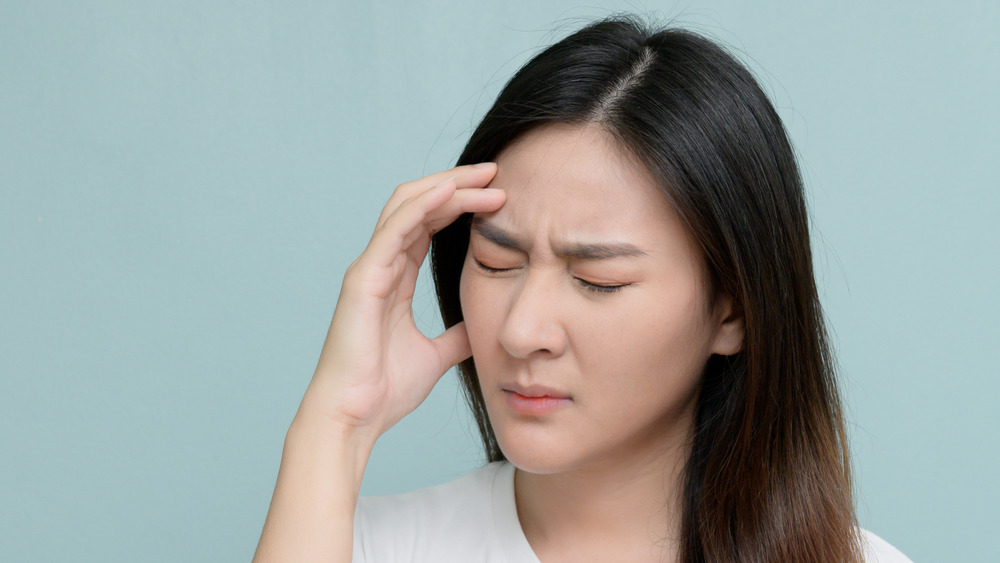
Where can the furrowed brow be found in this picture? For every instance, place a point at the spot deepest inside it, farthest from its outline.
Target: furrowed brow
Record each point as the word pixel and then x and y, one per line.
pixel 582 251
pixel 600 251
pixel 495 235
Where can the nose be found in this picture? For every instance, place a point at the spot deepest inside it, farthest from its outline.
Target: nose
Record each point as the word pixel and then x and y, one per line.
pixel 532 326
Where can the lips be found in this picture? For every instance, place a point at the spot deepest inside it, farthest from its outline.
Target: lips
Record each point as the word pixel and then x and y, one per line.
pixel 535 391
pixel 534 400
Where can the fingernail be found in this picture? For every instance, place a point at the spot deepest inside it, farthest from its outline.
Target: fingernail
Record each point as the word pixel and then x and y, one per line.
pixel 448 179
pixel 484 165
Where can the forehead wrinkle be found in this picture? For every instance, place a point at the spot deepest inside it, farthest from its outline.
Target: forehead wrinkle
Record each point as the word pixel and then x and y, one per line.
pixel 567 249
pixel 616 169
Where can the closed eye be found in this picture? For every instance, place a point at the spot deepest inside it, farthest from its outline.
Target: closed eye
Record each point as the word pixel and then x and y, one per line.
pixel 491 269
pixel 589 286
pixel 600 288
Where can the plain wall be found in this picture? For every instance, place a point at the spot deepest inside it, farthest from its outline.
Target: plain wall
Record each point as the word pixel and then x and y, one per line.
pixel 183 183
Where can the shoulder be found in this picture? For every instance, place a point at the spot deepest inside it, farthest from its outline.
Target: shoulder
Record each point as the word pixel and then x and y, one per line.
pixel 877 550
pixel 448 522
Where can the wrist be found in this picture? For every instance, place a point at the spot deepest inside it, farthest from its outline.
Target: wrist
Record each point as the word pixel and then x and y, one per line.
pixel 319 433
pixel 315 426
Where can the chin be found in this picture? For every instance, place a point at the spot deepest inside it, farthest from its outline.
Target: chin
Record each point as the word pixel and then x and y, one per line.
pixel 533 447
pixel 538 463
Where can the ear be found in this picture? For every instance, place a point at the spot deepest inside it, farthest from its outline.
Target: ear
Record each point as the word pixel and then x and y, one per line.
pixel 730 328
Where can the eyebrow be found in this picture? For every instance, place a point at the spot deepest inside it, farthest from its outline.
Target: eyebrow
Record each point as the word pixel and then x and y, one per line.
pixel 580 251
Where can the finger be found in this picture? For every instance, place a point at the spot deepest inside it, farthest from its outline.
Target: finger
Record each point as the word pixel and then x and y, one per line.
pixel 484 200
pixel 377 270
pixel 385 249
pixel 452 346
pixel 402 243
pixel 417 242
pixel 463 201
pixel 410 221
pixel 468 176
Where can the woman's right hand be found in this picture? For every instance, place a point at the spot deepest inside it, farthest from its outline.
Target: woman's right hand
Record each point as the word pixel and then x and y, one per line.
pixel 374 369
pixel 376 366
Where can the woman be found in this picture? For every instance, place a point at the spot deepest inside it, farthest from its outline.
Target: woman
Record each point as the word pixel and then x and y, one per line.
pixel 649 367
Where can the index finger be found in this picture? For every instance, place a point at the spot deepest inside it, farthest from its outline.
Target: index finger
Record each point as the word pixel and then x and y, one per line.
pixel 467 176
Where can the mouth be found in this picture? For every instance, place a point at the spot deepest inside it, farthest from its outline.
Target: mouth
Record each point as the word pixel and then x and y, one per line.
pixel 535 391
pixel 534 400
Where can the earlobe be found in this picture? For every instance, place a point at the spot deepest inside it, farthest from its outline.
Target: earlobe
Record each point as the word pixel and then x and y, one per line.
pixel 730 332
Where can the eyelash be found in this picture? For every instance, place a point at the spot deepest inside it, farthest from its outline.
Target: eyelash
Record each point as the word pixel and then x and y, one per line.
pixel 596 288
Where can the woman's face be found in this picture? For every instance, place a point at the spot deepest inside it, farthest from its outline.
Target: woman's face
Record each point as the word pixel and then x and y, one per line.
pixel 586 306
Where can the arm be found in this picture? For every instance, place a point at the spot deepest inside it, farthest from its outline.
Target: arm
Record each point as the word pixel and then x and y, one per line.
pixel 375 368
pixel 311 517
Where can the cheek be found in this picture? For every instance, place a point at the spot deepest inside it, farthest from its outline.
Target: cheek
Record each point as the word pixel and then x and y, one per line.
pixel 652 345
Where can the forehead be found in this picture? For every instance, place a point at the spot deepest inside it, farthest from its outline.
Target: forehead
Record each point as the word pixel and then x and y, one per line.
pixel 576 181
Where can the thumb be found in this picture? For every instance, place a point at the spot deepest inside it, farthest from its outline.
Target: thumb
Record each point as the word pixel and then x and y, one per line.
pixel 452 346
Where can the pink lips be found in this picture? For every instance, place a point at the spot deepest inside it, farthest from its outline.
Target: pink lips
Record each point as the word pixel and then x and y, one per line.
pixel 535 399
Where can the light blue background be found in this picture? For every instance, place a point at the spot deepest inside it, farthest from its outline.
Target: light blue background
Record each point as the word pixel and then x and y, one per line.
pixel 183 183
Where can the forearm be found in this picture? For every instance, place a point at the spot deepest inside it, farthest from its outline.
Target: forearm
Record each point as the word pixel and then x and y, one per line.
pixel 311 517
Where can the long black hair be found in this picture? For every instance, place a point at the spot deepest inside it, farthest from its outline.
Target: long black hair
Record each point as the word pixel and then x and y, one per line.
pixel 768 478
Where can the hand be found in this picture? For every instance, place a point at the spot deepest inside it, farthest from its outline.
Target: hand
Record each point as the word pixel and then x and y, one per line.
pixel 376 366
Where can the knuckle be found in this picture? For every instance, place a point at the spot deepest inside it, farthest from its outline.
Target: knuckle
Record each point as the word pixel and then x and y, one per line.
pixel 355 277
pixel 351 273
pixel 404 190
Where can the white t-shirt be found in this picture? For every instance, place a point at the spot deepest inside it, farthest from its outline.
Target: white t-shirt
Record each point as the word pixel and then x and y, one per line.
pixel 473 518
